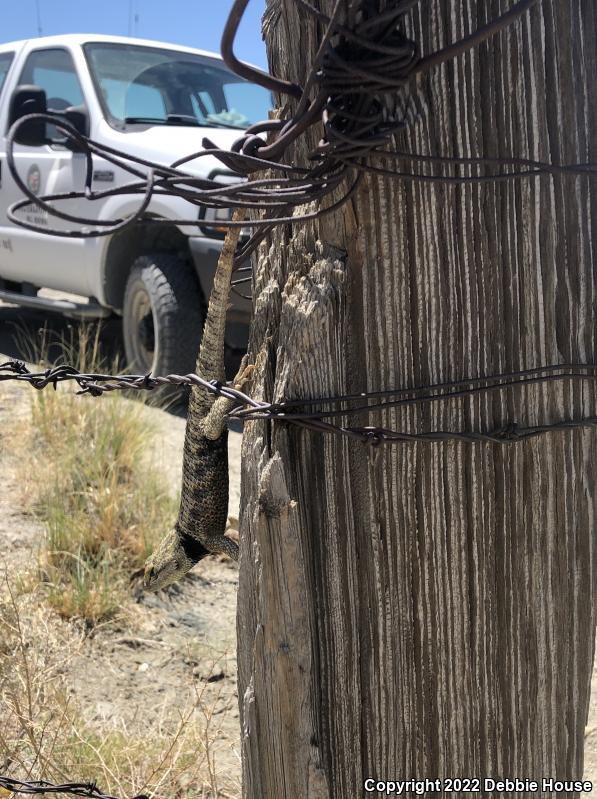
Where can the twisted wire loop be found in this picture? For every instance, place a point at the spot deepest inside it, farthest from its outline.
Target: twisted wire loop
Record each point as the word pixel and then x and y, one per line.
pixel 376 58
pixel 311 414
pixel 41 788
pixel 360 66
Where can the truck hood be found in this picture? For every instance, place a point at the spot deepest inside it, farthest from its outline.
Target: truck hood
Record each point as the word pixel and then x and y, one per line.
pixel 167 143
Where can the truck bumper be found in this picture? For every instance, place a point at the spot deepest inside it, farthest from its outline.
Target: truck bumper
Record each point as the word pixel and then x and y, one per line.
pixel 205 253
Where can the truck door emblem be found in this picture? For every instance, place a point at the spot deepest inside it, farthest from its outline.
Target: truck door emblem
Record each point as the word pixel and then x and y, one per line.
pixel 33 213
pixel 34 179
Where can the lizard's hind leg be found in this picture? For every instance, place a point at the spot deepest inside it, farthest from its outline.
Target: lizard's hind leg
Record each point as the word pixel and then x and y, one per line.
pixel 214 422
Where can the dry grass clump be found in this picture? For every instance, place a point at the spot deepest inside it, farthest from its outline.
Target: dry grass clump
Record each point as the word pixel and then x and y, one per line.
pixel 44 736
pixel 103 504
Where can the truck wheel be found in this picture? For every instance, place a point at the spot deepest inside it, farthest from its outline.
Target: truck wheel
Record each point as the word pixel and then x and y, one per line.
pixel 162 315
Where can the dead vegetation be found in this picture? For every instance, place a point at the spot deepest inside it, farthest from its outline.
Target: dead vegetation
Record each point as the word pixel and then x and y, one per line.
pixel 103 503
pixel 86 477
pixel 44 734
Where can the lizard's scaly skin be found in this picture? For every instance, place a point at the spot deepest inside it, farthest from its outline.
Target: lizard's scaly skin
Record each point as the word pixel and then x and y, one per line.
pixel 204 500
pixel 201 522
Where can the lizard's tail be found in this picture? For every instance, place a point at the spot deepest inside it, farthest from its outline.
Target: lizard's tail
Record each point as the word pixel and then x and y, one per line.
pixel 210 361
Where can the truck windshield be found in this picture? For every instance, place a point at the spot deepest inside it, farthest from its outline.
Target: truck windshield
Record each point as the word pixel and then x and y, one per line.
pixel 155 86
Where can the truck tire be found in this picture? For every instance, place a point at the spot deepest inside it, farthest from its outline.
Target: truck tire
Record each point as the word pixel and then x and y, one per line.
pixel 162 316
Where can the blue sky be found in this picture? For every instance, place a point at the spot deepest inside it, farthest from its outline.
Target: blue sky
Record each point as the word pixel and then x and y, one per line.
pixel 196 23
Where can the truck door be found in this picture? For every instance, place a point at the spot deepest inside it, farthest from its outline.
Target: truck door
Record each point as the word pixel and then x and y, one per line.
pixel 48 261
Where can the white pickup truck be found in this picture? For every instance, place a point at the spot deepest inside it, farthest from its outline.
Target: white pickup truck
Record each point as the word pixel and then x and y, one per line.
pixel 155 101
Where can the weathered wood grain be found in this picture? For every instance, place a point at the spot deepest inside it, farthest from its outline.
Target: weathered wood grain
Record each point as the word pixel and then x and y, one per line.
pixel 428 610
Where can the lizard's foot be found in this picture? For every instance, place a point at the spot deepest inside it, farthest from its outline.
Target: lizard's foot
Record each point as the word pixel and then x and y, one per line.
pixel 244 374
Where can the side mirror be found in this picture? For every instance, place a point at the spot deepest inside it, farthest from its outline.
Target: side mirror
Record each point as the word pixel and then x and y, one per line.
pixel 78 117
pixel 29 100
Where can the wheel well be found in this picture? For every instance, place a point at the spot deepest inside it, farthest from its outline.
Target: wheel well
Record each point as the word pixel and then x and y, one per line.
pixel 126 246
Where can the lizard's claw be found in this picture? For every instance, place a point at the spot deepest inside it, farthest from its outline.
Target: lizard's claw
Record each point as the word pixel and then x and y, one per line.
pixel 244 374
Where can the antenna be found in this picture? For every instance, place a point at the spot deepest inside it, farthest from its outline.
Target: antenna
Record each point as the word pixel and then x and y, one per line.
pixel 39 31
pixel 133 18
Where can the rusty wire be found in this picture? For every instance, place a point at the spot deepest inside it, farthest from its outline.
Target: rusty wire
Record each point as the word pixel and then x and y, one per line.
pixel 356 69
pixel 41 788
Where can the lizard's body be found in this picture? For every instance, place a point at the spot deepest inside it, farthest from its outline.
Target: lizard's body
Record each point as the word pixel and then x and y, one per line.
pixel 201 522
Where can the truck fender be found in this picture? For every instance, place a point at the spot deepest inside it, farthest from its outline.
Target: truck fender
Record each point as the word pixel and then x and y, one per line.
pixel 124 247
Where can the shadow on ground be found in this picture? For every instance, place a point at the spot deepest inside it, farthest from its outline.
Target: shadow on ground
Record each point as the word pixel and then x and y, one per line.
pixel 21 328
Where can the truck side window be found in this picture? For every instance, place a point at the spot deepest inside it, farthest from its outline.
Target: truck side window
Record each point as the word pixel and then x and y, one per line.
pixel 54 72
pixel 5 62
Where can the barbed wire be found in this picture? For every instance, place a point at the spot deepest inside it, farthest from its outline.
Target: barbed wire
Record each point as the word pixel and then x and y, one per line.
pixel 290 411
pixel 41 788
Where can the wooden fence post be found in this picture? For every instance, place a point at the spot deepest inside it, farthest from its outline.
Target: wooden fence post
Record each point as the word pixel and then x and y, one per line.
pixel 427 610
